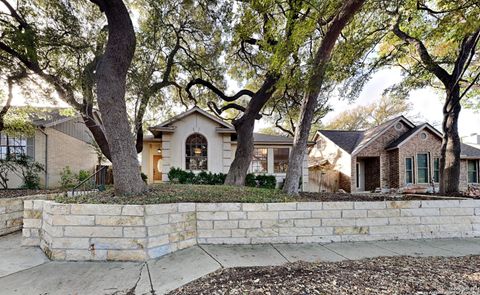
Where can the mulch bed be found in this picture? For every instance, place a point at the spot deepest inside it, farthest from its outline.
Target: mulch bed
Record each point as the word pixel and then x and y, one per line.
pixel 383 275
pixel 14 193
pixel 331 197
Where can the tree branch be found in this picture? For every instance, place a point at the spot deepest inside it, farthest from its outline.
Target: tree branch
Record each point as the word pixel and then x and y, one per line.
pixel 427 60
pixel 217 91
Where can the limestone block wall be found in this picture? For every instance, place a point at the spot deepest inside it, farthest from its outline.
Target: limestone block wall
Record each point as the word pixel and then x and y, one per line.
pixel 138 232
pixel 11 215
pixel 306 222
pixel 108 232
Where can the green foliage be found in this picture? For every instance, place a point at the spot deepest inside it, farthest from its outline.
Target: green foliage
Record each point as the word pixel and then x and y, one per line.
pixel 24 166
pixel 172 193
pixel 250 180
pixel 177 175
pixel 261 181
pixel 83 175
pixel 69 179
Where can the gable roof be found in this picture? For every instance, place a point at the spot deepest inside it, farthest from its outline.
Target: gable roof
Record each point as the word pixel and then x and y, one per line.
pixel 354 141
pixel 407 135
pixel 469 152
pixel 346 140
pixel 371 134
pixel 195 109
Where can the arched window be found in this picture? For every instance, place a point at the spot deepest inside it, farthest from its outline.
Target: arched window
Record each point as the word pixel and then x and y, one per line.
pixel 196 152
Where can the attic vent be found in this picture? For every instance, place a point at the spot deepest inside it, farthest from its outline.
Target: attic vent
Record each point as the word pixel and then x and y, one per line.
pixel 423 135
pixel 399 126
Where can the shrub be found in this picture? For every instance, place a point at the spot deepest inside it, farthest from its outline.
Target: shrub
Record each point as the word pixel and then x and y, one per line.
pixel 29 169
pixel 250 180
pixel 68 179
pixel 177 175
pixel 82 175
pixel 266 181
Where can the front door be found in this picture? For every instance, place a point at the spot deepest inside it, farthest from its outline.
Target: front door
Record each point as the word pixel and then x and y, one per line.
pixel 157 168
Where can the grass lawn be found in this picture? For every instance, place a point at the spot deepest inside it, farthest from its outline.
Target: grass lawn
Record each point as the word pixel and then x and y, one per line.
pixel 384 275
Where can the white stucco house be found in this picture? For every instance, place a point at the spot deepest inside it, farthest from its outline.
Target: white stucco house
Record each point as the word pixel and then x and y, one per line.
pixel 196 140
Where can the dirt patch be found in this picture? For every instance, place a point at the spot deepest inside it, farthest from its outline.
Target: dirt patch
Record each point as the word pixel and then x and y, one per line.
pixel 383 275
pixel 14 193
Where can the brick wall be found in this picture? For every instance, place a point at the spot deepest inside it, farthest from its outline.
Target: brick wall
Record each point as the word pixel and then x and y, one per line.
pixel 431 145
pixel 138 232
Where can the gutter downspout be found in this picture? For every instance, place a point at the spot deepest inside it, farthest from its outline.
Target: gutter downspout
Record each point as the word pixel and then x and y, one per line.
pixel 46 156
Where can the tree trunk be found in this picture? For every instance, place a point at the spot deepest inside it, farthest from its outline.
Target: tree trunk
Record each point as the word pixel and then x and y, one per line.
pixel 111 79
pixel 451 144
pixel 309 103
pixel 244 127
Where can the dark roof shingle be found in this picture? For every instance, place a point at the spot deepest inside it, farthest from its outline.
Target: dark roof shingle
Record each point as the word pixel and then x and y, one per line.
pixel 347 140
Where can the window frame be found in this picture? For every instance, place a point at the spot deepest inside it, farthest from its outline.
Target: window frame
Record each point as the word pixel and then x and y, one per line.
pixel 476 164
pixel 257 159
pixel 436 169
pixel 190 146
pixel 275 161
pixel 19 142
pixel 412 169
pixel 427 167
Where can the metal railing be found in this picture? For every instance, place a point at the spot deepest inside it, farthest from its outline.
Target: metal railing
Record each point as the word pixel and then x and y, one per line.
pixel 94 183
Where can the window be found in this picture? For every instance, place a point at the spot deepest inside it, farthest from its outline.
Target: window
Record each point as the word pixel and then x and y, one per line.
pixel 12 146
pixel 472 171
pixel 196 152
pixel 436 169
pixel 422 168
pixel 357 174
pixel 280 160
pixel 408 170
pixel 260 160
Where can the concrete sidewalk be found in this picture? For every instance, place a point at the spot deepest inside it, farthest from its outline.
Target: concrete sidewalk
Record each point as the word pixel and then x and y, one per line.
pixel 28 271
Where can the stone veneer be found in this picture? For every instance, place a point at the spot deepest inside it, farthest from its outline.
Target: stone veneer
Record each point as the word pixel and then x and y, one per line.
pixel 138 232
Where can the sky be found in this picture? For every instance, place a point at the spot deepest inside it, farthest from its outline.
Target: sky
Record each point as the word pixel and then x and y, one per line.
pixel 426 103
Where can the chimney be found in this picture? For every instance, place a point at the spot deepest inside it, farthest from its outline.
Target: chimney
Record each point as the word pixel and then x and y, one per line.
pixel 473 138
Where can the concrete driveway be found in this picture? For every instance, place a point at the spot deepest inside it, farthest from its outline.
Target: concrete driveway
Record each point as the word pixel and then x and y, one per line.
pixel 28 271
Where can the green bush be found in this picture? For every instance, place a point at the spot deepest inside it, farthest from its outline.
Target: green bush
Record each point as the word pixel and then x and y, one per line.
pixel 261 181
pixel 266 181
pixel 82 175
pixel 29 169
pixel 250 180
pixel 177 175
pixel 68 179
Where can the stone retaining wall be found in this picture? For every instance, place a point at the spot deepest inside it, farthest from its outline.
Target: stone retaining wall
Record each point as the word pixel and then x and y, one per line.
pixel 11 213
pixel 138 232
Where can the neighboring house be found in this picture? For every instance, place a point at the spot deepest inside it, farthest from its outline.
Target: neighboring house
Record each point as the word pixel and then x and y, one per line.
pixel 59 141
pixel 473 140
pixel 198 141
pixel 395 154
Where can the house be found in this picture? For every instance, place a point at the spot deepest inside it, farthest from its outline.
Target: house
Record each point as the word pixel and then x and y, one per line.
pixel 59 140
pixel 199 141
pixel 395 154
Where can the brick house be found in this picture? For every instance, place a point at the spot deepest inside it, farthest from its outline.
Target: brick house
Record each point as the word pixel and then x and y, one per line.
pixel 395 154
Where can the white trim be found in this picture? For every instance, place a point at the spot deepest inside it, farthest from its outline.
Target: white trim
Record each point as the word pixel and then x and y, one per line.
pixel 187 113
pixel 425 125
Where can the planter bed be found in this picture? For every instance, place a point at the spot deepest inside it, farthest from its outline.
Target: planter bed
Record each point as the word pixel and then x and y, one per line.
pixel 384 275
pixel 15 193
pixel 177 193
pixel 138 232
